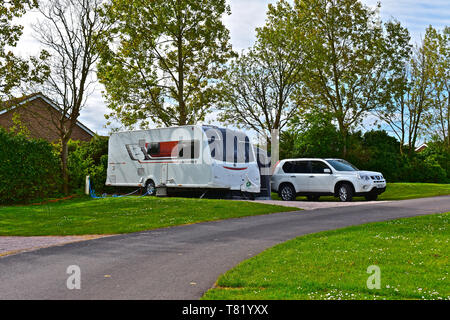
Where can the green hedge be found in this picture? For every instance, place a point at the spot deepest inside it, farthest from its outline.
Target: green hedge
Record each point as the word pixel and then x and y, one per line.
pixel 29 169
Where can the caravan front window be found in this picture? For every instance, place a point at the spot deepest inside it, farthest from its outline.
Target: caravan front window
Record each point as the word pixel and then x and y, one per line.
pixel 230 146
pixel 231 150
pixel 188 149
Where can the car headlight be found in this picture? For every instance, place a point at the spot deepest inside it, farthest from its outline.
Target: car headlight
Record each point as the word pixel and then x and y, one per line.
pixel 363 177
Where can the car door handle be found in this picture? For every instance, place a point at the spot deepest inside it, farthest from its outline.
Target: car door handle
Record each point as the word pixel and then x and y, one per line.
pixel 312 176
pixel 292 176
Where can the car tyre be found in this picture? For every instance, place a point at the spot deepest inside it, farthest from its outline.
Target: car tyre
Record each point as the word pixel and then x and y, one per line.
pixel 345 193
pixel 287 192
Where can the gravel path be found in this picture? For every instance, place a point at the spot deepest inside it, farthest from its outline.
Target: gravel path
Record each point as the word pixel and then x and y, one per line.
pixel 11 245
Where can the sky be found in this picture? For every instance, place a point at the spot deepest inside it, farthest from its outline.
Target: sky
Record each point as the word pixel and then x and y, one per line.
pixel 245 16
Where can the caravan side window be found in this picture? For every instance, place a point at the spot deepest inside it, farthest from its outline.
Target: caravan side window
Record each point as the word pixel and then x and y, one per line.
pixel 161 149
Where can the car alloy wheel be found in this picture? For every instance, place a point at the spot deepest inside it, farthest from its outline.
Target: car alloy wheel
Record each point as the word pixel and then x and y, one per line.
pixel 287 194
pixel 345 193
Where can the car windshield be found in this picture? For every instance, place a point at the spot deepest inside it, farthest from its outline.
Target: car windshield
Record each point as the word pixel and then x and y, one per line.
pixel 342 165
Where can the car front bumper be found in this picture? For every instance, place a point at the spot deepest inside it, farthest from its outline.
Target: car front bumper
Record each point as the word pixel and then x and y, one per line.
pixel 377 187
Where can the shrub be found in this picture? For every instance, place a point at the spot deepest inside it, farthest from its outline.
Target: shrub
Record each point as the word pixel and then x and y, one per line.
pixel 29 169
pixel 88 159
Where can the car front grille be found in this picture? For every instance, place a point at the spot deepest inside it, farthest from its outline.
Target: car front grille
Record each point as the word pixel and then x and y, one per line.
pixel 377 179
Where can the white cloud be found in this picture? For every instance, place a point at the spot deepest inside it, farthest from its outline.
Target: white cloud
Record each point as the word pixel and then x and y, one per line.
pixel 415 15
pixel 245 16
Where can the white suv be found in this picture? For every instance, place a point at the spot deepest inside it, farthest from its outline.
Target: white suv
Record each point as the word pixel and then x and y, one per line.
pixel 322 177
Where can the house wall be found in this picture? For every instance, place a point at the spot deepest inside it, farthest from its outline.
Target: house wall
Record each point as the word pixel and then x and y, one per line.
pixel 37 115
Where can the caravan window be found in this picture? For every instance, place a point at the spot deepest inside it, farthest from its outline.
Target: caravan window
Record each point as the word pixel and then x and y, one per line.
pixel 187 149
pixel 247 149
pixel 238 151
pixel 229 145
pixel 235 149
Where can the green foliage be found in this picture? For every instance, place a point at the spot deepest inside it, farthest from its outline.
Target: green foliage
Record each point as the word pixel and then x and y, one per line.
pixel 29 169
pixel 161 59
pixel 439 151
pixel 433 164
pixel 349 55
pixel 14 70
pixel 380 153
pixel 88 159
pixel 302 140
pixel 19 127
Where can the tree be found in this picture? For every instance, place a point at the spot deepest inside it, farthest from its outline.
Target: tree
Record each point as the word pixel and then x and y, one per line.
pixel 439 120
pixel 163 59
pixel 347 62
pixel 259 85
pixel 393 108
pixel 311 135
pixel 413 89
pixel 15 71
pixel 69 31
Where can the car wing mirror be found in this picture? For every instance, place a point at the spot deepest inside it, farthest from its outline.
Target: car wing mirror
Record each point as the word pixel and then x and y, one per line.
pixel 327 171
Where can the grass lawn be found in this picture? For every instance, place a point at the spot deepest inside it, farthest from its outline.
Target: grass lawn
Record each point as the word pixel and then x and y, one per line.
pixel 399 191
pixel 412 254
pixel 121 215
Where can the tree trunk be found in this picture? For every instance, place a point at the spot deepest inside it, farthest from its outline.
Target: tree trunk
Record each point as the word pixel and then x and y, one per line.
pixel 64 170
pixel 344 135
pixel 181 102
pixel 448 119
pixel 345 140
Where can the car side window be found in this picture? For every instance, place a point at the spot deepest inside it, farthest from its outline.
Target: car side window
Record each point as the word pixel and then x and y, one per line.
pixel 296 167
pixel 318 167
pixel 288 167
pixel 301 167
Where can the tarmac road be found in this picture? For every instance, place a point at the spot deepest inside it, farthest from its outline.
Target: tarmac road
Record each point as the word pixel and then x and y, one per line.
pixel 179 262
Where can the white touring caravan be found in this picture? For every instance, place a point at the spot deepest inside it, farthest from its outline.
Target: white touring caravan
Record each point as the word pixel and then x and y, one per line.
pixel 203 158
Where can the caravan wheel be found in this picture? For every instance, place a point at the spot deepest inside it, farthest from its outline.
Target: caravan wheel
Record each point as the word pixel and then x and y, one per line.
pixel 150 189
